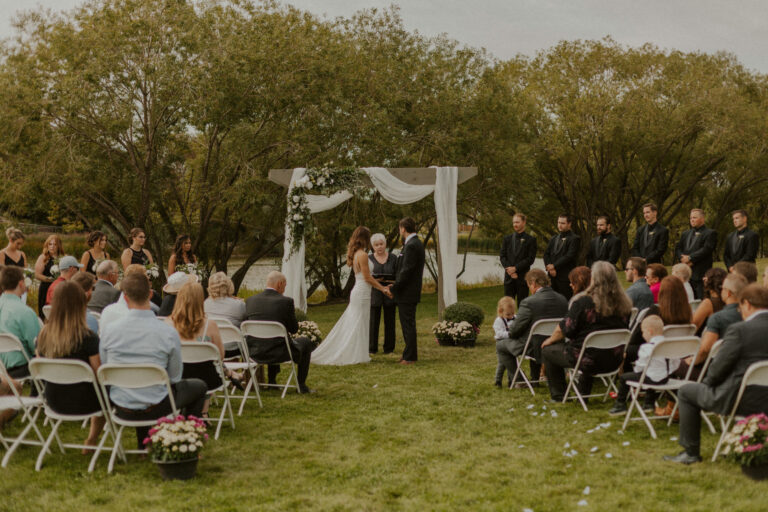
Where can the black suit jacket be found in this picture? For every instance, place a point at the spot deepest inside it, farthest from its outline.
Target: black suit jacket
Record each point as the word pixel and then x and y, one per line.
pixel 740 246
pixel 273 307
pixel 605 247
pixel 410 271
pixel 743 344
pixel 545 303
pixel 699 244
pixel 563 252
pixel 518 251
pixel 103 295
pixel 653 245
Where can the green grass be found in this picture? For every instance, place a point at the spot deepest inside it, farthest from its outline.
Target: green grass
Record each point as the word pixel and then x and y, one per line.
pixel 434 436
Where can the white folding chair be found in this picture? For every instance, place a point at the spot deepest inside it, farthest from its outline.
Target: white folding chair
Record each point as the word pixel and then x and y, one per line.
pixel 695 305
pixel 603 340
pixel 633 316
pixel 231 336
pixel 679 330
pixel 756 375
pixel 10 343
pixel 220 320
pixel 47 311
pixel 712 353
pixel 543 327
pixel 669 348
pixel 29 407
pixel 200 352
pixel 131 376
pixel 68 371
pixel 264 331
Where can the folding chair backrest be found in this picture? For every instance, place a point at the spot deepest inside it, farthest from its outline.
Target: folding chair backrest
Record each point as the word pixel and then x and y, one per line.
pixel 61 371
pixel 695 305
pixel 46 311
pixel 263 330
pixel 544 327
pixel 712 353
pixel 133 376
pixel 230 334
pixel 679 330
pixel 756 375
pixel 677 347
pixel 607 339
pixel 10 343
pixel 221 321
pixel 96 315
pixel 639 319
pixel 633 315
pixel 199 352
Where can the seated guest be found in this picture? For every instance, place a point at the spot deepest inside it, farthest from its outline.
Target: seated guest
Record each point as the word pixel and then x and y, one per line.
pixel 543 302
pixel 271 305
pixel 140 338
pixel 746 269
pixel 18 319
pixel 579 278
pixel 66 336
pixel 718 323
pixel 639 293
pixel 659 368
pixel 120 308
pixel 743 344
pixel 505 314
pixel 653 275
pixel 712 302
pixel 683 273
pixel 221 301
pixel 604 306
pixel 171 288
pixel 85 281
pixel 68 266
pixel 6 415
pixel 104 291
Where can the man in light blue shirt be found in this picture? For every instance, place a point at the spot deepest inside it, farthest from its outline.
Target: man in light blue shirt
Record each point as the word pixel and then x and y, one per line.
pixel 18 319
pixel 140 338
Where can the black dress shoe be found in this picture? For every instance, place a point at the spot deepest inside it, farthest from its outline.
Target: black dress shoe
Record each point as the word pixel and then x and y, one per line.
pixel 497 384
pixel 618 408
pixel 306 391
pixel 682 458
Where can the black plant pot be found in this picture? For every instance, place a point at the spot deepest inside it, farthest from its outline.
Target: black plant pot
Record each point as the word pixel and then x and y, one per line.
pixel 178 469
pixel 446 342
pixel 756 472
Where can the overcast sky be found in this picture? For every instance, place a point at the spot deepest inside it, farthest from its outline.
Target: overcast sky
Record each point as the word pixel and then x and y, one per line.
pixel 508 27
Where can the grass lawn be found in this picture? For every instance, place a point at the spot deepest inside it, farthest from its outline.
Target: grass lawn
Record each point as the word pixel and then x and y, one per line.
pixel 434 436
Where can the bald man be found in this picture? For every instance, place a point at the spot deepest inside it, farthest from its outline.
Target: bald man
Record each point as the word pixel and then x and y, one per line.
pixel 271 305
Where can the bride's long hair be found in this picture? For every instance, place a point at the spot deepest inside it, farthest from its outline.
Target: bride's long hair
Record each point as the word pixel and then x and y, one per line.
pixel 360 240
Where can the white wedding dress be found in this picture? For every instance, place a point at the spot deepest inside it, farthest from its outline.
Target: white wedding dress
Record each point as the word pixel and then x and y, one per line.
pixel 347 343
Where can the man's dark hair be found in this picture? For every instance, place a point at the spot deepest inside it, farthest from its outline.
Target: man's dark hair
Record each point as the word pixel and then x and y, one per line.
pixel 408 224
pixel 743 213
pixel 756 295
pixel 84 280
pixel 567 216
pixel 746 269
pixel 606 218
pixel 639 265
pixel 10 277
pixel 136 288
pixel 652 206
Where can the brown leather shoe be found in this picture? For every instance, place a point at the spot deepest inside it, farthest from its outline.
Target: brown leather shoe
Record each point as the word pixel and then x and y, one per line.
pixel 404 362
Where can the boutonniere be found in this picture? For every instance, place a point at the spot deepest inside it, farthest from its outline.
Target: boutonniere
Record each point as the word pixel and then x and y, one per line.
pixel 650 233
pixel 522 240
pixel 563 239
pixel 741 236
pixel 697 233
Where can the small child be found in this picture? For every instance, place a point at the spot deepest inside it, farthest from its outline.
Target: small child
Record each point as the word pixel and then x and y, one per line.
pixel 505 310
pixel 659 368
pixel 683 272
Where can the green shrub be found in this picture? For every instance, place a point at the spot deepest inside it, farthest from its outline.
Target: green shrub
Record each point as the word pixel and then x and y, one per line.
pixel 300 315
pixel 464 311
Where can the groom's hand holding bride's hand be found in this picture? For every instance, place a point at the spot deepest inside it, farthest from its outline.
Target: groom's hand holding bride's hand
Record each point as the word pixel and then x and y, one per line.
pixel 388 292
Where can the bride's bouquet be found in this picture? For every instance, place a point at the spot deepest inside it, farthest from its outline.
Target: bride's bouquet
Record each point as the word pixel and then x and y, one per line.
pixel 309 329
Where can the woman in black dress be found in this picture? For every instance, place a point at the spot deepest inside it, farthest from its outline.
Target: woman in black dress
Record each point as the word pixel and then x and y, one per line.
pixel 52 251
pixel 136 253
pixel 182 253
pixel 384 272
pixel 66 336
pixel 97 241
pixel 12 255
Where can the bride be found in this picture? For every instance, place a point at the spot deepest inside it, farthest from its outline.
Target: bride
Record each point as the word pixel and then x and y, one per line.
pixel 347 343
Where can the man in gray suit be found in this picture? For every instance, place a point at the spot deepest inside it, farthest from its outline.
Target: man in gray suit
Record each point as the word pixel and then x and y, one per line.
pixel 104 291
pixel 639 293
pixel 743 344
pixel 542 303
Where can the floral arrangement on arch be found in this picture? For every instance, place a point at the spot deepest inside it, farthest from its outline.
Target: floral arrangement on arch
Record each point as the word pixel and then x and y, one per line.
pixel 747 442
pixel 178 438
pixel 323 181
pixel 310 330
pixel 193 268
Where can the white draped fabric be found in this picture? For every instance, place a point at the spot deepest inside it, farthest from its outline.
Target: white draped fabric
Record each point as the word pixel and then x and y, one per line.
pixel 394 191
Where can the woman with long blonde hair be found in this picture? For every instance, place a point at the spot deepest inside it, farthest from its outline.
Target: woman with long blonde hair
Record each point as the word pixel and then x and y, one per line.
pixel 52 251
pixel 66 336
pixel 348 341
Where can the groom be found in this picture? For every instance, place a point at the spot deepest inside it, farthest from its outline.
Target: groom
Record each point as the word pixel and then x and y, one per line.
pixel 407 286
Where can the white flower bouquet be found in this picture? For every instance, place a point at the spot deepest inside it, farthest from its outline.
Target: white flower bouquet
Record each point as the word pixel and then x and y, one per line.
pixel 55 270
pixel 29 277
pixel 310 330
pixel 178 438
pixel 193 268
pixel 153 271
pixel 442 334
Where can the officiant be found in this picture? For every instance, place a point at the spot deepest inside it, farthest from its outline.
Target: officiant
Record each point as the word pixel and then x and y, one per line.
pixel 384 272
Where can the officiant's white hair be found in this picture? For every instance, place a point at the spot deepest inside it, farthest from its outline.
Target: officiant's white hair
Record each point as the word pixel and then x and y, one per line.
pixel 275 278
pixel 378 237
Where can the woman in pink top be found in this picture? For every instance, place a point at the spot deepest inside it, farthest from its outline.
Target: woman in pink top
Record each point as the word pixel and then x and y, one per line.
pixel 655 273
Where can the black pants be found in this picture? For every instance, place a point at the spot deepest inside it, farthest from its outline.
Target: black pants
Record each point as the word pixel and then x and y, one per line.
pixel 301 355
pixel 505 352
pixel 516 288
pixel 650 395
pixel 562 285
pixel 558 356
pixel 389 328
pixel 698 288
pixel 189 396
pixel 408 325
pixel 20 372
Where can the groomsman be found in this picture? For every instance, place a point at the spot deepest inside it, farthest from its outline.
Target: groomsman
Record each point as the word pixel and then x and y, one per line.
pixel 740 245
pixel 605 246
pixel 696 248
pixel 518 251
pixel 651 240
pixel 562 255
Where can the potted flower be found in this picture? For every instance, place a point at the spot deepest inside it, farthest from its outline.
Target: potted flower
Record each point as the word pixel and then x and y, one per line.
pixel 747 444
pixel 463 334
pixel 174 445
pixel 309 329
pixel 442 333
